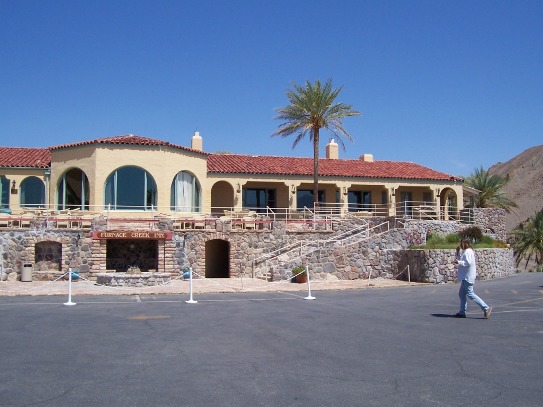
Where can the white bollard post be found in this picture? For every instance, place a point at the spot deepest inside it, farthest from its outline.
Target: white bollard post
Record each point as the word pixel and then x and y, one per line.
pixel 69 288
pixel 309 296
pixel 191 301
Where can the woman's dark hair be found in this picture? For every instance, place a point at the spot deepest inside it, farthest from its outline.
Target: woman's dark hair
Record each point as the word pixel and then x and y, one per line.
pixel 466 244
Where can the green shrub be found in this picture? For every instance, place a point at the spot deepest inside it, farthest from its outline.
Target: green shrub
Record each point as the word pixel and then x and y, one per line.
pixel 472 233
pixel 452 238
pixel 435 241
pixel 487 240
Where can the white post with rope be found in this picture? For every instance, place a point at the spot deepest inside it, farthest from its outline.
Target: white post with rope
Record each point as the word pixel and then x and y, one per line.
pixel 309 296
pixel 191 301
pixel 408 274
pixel 69 288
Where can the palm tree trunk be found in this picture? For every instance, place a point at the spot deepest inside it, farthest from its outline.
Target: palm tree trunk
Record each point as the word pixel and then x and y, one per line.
pixel 316 168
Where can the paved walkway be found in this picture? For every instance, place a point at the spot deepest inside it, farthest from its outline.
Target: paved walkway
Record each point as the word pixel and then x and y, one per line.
pixel 207 285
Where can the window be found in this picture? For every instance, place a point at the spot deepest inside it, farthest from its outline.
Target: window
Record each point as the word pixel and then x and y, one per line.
pixel 73 190
pixel 130 188
pixel 185 193
pixel 427 198
pixel 359 201
pixel 259 198
pixel 304 198
pixel 32 193
pixel 4 192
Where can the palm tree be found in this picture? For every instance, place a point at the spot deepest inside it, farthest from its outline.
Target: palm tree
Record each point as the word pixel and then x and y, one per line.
pixel 491 190
pixel 528 240
pixel 313 107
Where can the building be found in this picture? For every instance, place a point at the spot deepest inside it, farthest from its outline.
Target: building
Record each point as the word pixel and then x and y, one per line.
pixel 128 195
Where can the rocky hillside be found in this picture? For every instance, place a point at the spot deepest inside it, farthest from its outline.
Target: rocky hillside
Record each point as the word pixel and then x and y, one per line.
pixel 525 185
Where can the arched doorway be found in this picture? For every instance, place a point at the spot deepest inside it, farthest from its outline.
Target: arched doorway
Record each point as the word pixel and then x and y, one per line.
pixel 449 204
pixel 222 197
pixel 217 258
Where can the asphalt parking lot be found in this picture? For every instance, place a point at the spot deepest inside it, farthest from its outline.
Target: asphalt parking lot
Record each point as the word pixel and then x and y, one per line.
pixel 383 347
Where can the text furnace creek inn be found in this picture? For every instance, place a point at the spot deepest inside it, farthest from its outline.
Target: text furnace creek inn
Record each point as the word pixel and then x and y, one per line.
pixel 125 202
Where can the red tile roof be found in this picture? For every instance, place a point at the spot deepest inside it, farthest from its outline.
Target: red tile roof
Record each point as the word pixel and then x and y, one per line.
pixel 243 164
pixel 251 164
pixel 24 157
pixel 128 139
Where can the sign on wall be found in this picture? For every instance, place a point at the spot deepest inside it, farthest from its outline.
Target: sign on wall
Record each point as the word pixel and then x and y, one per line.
pixel 132 235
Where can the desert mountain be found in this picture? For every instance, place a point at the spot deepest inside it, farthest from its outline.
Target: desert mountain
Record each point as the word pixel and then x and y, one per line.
pixel 525 186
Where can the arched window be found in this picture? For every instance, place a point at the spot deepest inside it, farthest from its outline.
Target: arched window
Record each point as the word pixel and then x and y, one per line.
pixel 32 193
pixel 73 190
pixel 185 193
pixel 4 192
pixel 130 188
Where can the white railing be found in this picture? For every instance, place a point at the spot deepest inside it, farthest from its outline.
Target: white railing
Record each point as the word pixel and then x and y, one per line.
pixel 321 217
pixel 421 210
pixel 299 246
pixel 305 249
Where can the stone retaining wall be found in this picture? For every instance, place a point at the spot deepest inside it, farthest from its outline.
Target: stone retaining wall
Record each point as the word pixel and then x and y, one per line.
pixel 387 256
pixel 437 266
pixel 384 255
pixel 490 220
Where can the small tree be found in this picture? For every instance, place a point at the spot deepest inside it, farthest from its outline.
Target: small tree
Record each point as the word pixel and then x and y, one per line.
pixel 528 240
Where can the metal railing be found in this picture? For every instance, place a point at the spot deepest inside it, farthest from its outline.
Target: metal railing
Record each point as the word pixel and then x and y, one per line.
pixel 305 249
pixel 321 217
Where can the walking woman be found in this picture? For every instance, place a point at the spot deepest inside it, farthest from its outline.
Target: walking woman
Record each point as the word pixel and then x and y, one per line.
pixel 467 271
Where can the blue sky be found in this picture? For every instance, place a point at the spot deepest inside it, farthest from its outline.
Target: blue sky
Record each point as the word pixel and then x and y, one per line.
pixel 452 85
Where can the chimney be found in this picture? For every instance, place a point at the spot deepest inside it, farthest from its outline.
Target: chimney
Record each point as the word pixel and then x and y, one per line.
pixel 332 150
pixel 367 158
pixel 196 141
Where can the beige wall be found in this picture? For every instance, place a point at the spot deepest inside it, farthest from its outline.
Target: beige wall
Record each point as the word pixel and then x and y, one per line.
pixel 18 175
pixel 99 161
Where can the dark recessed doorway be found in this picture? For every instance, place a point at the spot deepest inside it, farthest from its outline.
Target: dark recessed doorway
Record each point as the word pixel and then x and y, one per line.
pixel 122 254
pixel 217 258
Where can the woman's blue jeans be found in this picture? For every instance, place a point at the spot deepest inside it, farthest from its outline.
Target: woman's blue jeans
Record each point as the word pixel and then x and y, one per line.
pixel 465 292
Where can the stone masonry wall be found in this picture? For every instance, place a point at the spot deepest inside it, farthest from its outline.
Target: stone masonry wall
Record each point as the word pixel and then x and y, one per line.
pixel 387 256
pixel 436 266
pixel 18 248
pixel 381 255
pixel 490 220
